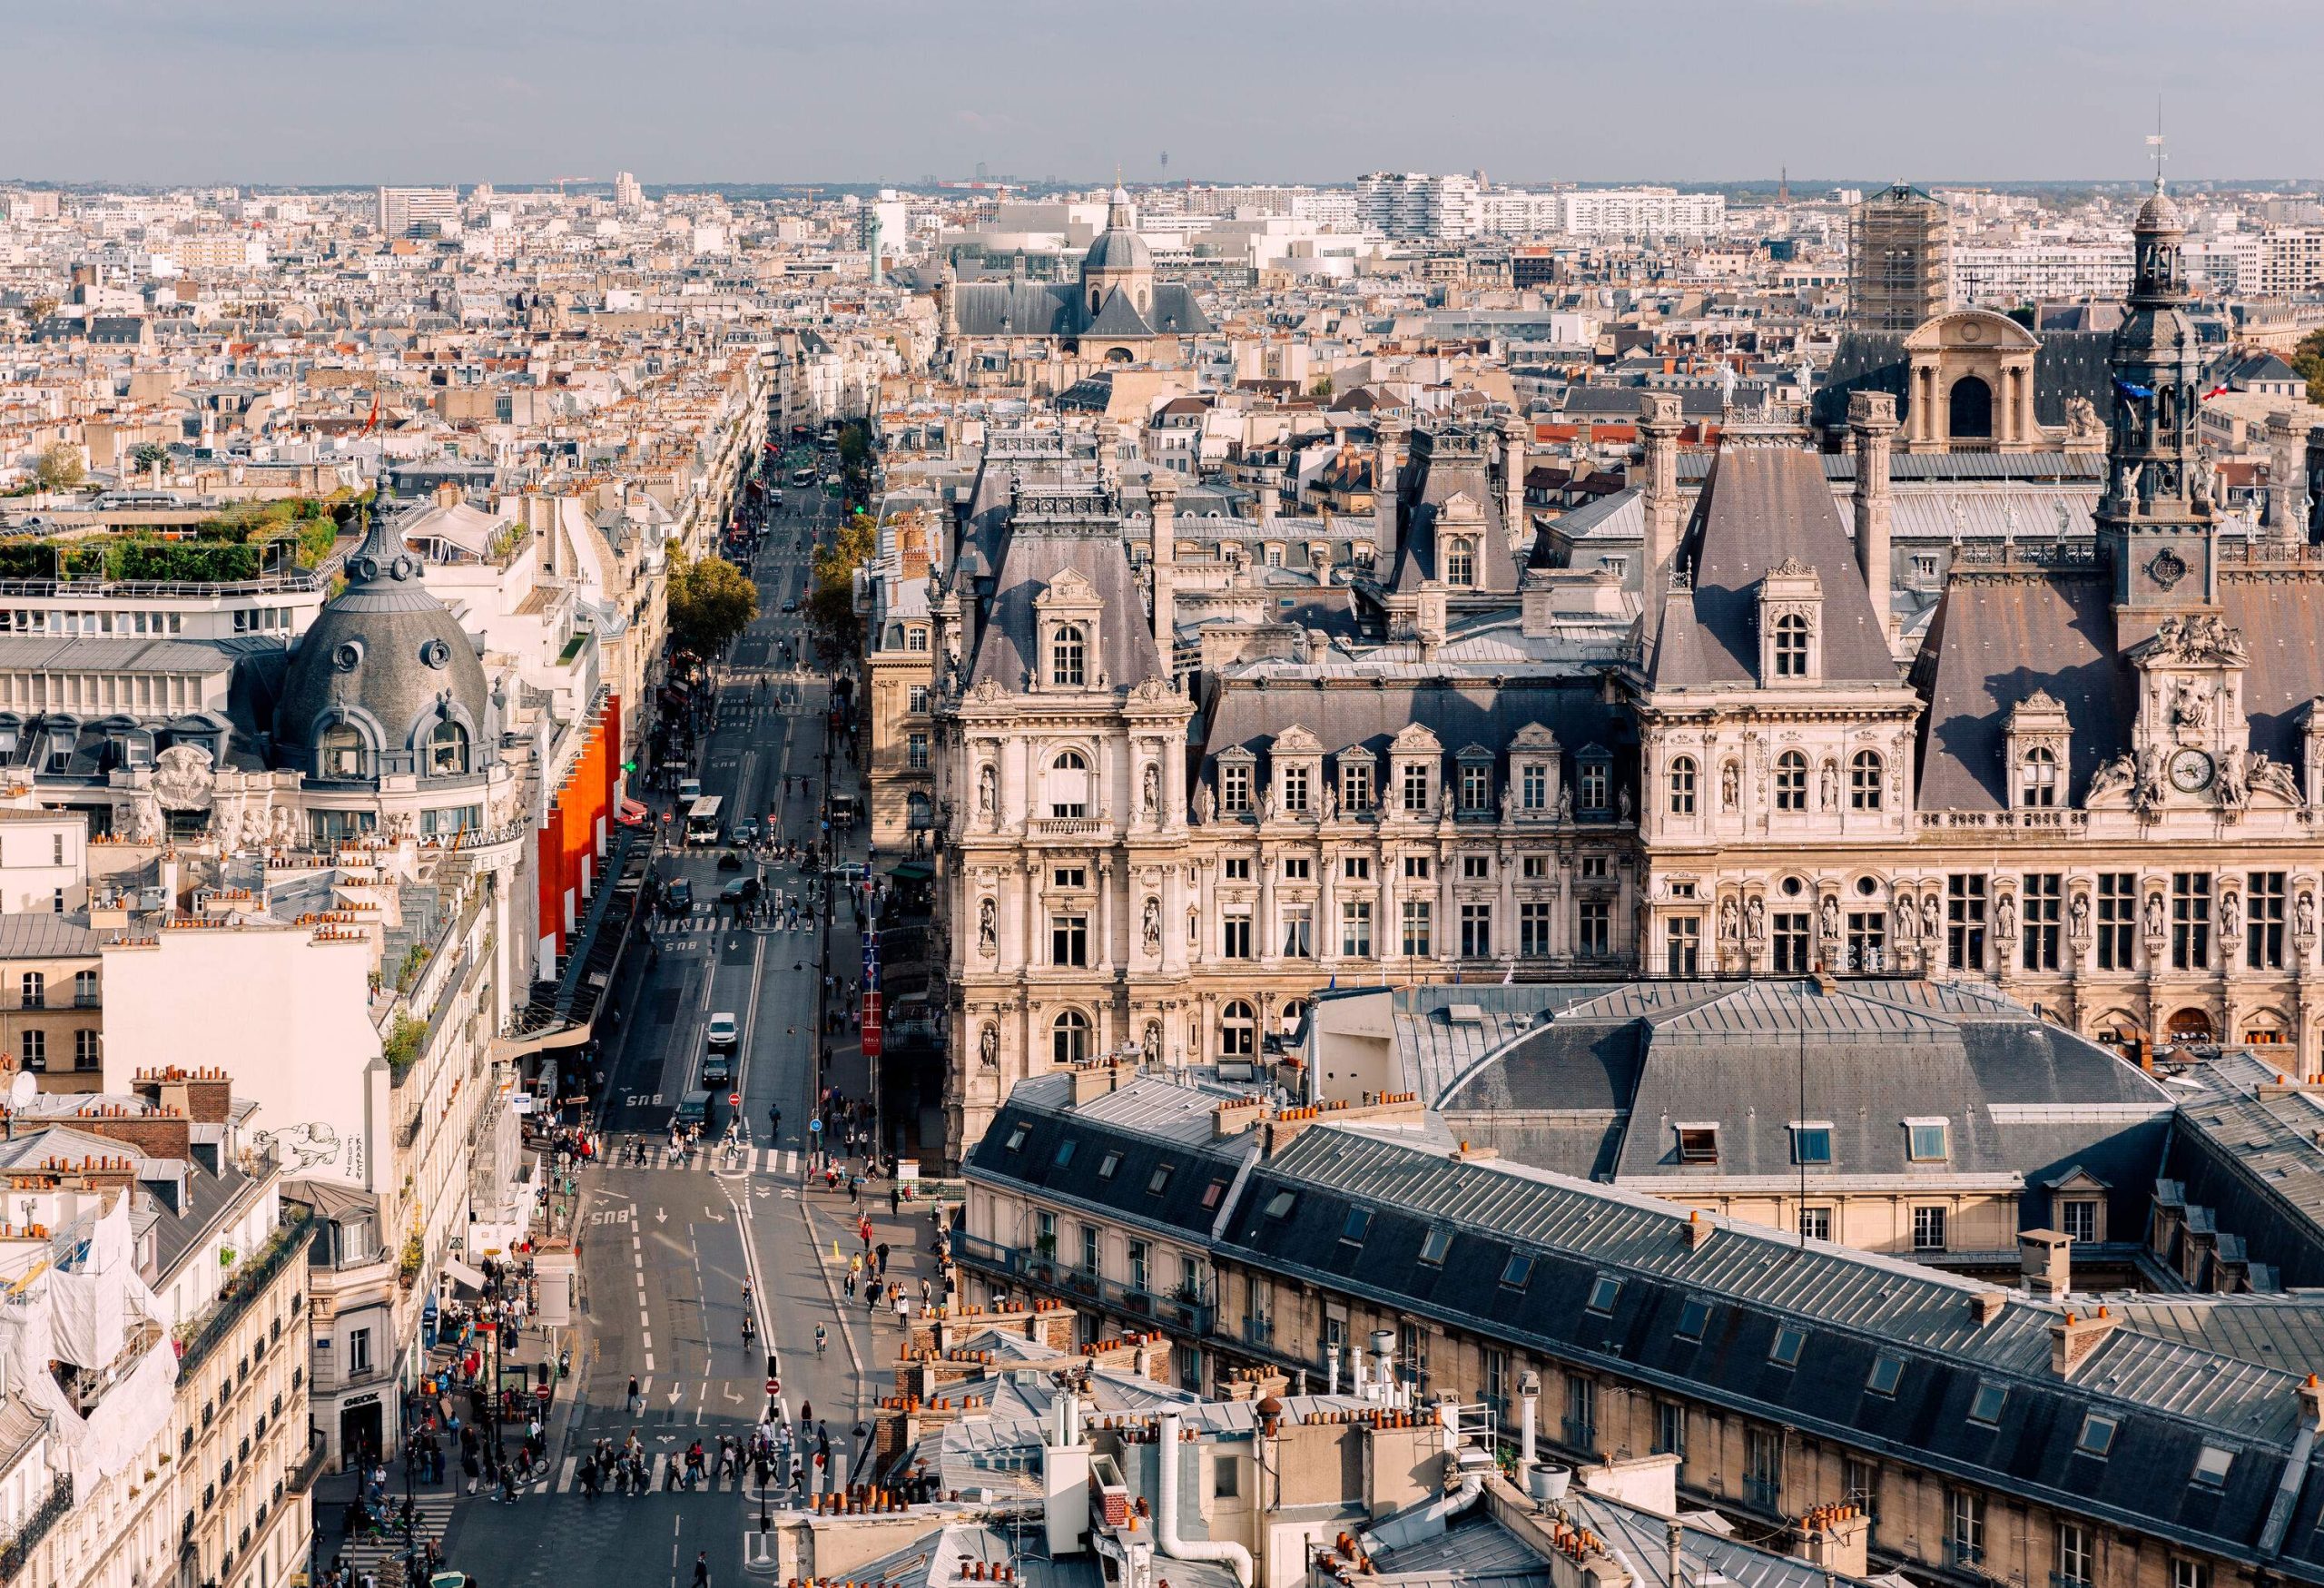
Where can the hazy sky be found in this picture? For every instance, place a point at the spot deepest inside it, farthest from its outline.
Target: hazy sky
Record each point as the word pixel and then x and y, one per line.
pixel 322 91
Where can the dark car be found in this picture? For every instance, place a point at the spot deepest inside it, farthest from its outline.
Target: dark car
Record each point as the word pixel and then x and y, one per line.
pixel 746 831
pixel 741 891
pixel 677 896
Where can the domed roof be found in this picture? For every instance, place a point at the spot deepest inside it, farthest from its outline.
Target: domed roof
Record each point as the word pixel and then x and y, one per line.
pixel 1118 247
pixel 1118 251
pixel 2159 215
pixel 386 658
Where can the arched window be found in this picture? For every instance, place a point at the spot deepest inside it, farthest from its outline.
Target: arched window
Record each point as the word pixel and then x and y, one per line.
pixel 1068 656
pixel 447 750
pixel 1969 409
pixel 341 751
pixel 1791 781
pixel 1791 645
pixel 1461 561
pixel 1682 786
pixel 1070 1037
pixel 2038 779
pixel 1864 769
pixel 1068 782
pixel 1238 1030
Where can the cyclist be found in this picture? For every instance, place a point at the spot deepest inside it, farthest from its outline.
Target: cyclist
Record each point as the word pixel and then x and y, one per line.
pixel 749 1328
pixel 821 1340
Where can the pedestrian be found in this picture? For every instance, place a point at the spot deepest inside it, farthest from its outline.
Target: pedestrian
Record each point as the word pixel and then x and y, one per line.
pixel 702 1569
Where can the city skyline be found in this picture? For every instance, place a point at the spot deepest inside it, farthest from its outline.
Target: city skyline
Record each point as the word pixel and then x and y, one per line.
pixel 897 91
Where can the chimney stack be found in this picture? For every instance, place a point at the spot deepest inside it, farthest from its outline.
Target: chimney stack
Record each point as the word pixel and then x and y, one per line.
pixel 1162 490
pixel 2042 1257
pixel 2074 1336
pixel 1515 432
pixel 1872 422
pixel 1659 423
pixel 1387 477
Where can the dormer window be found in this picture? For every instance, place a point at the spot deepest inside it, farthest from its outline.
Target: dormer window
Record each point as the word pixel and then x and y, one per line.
pixel 1461 561
pixel 1068 657
pixel 1235 788
pixel 2039 733
pixel 2037 786
pixel 1355 783
pixel 1295 788
pixel 1791 603
pixel 1791 645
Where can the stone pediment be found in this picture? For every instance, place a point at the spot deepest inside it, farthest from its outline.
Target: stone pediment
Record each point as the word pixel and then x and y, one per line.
pixel 1415 739
pixel 1534 736
pixel 1297 740
pixel 1069 588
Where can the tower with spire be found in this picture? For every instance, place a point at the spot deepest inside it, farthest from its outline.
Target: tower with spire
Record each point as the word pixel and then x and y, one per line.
pixel 2157 523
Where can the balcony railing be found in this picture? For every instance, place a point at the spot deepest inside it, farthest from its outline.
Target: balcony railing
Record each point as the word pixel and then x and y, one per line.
pixel 287 1242
pixel 19 1549
pixel 1766 1494
pixel 1037 1271
pixel 302 1477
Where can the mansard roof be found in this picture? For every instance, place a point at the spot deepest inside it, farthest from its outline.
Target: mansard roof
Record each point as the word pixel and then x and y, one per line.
pixel 1999 637
pixel 1368 715
pixel 1764 506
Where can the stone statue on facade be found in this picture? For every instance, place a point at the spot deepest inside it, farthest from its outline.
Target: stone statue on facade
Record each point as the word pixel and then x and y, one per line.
pixel 1622 805
pixel 2234 777
pixel 2078 918
pixel 1731 786
pixel 1931 917
pixel 2113 777
pixel 1831 919
pixel 988 1047
pixel 1206 803
pixel 2230 916
pixel 2268 772
pixel 2189 710
pixel 2005 917
pixel 988 793
pixel 1150 800
pixel 281 832
pixel 1908 920
pixel 1729 926
pixel 1151 928
pixel 1565 804
pixel 1755 918
pixel 1331 803
pixel 1831 786
pixel 987 929
pixel 2154 917
pixel 2303 915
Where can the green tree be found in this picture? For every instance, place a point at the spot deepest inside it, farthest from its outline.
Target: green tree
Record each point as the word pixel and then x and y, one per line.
pixel 2308 360
pixel 60 467
pixel 831 604
pixel 709 603
pixel 153 457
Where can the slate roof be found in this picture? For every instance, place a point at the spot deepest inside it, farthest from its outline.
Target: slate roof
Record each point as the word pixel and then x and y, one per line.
pixel 2170 1399
pixel 1760 507
pixel 1998 636
pixel 1014 308
pixel 1433 478
pixel 2069 364
pixel 1117 316
pixel 1030 563
pixel 1368 712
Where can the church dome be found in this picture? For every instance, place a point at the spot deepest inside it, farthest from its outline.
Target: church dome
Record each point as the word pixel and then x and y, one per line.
pixel 1118 247
pixel 385 681
pixel 1118 251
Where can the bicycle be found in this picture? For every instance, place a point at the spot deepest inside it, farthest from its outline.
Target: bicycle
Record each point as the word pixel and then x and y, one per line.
pixel 821 1340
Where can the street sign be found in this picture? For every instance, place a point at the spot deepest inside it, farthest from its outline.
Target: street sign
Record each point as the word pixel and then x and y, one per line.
pixel 734 1099
pixel 871 1033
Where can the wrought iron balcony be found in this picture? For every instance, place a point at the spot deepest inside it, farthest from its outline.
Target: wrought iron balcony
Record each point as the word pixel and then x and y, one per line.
pixel 1037 1270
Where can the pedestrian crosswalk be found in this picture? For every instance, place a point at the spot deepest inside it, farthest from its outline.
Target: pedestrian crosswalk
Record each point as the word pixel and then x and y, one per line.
pixel 741 1161
pixel 668 1474
pixel 432 1515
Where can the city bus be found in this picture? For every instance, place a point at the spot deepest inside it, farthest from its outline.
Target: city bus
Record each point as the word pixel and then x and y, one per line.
pixel 702 819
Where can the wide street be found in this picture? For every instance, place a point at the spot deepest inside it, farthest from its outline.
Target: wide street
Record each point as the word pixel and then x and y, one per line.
pixel 668 1248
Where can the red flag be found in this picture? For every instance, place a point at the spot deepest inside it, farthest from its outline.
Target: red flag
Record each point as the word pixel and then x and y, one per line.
pixel 373 422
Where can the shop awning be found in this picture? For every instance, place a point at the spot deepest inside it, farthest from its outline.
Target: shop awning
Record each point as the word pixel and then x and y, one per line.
pixel 467 1278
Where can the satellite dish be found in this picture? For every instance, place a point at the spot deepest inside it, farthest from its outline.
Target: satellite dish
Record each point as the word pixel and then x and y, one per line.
pixel 23 1089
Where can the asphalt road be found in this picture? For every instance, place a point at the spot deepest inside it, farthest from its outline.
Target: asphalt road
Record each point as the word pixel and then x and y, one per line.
pixel 666 1249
